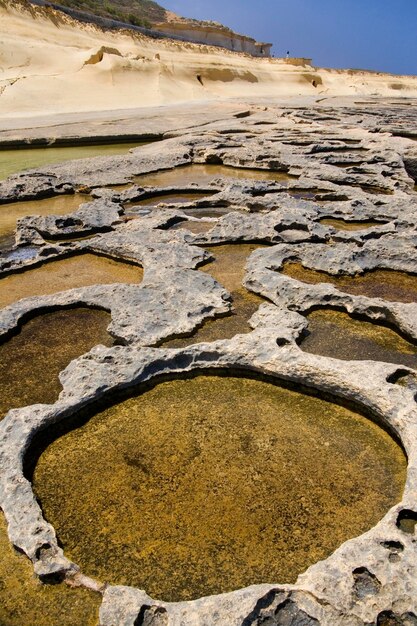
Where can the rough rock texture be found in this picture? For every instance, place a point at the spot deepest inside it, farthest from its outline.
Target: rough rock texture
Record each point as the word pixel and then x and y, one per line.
pixel 91 217
pixel 329 167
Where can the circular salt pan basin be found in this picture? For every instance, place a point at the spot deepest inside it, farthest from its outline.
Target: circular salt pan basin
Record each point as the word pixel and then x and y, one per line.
pixel 205 485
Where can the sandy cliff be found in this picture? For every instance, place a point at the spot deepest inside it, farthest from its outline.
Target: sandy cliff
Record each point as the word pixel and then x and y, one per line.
pixel 51 63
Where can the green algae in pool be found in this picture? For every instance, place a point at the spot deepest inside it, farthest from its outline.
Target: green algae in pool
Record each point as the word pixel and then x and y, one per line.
pixel 24 600
pixel 389 285
pixel 204 174
pixel 16 160
pixel 31 360
pixel 204 485
pixel 75 271
pixel 11 212
pixel 228 268
pixel 336 334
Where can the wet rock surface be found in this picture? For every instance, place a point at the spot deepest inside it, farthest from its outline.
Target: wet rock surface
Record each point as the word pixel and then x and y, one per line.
pixel 324 172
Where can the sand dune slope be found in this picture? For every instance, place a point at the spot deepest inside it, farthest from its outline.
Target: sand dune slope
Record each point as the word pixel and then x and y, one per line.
pixel 50 63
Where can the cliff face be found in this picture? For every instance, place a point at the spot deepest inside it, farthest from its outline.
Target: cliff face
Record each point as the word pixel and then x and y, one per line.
pixel 215 35
pixel 52 63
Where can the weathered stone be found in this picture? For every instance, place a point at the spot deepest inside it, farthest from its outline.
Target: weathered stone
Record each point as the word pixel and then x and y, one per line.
pixel 346 171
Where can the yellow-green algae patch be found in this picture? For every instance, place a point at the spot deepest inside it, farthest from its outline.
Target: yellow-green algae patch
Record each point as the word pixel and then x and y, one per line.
pixel 336 334
pixel 75 271
pixel 24 600
pixel 386 284
pixel 16 160
pixel 11 212
pixel 228 268
pixel 349 225
pixel 31 360
pixel 205 174
pixel 205 485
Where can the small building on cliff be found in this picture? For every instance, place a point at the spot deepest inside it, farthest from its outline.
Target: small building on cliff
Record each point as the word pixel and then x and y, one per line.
pixel 213 34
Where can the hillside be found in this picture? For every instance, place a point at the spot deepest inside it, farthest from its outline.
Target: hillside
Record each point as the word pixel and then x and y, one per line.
pixel 137 12
pixel 52 63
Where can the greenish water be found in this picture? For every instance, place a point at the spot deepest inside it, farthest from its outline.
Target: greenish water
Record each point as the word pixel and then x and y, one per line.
pixel 205 174
pixel 31 360
pixel 205 485
pixel 16 160
pixel 76 271
pixel 349 225
pixel 335 334
pixel 389 285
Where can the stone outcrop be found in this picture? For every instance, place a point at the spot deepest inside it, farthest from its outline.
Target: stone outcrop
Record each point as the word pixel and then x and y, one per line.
pixel 214 34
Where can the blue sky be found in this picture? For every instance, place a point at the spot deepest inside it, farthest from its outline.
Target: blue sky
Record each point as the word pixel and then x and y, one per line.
pixel 370 34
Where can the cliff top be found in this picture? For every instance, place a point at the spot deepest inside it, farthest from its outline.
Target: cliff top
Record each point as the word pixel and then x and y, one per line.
pixel 136 12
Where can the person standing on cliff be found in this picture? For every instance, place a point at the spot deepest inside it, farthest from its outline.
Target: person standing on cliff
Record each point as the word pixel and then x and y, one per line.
pixel 288 54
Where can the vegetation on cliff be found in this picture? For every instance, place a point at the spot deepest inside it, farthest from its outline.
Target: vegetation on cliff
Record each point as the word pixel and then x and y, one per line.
pixel 137 12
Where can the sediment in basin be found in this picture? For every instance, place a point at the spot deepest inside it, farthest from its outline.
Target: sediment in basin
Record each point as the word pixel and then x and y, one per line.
pixel 204 485
pixel 23 600
pixel 31 360
pixel 336 334
pixel 75 271
pixel 228 268
pixel 386 284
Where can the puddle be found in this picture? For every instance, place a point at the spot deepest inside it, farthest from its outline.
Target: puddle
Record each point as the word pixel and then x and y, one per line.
pixel 169 198
pixel 23 253
pixel 346 164
pixel 313 194
pixel 212 212
pixel 349 225
pixel 194 227
pixel 204 485
pixel 335 334
pixel 305 194
pixel 31 360
pixel 228 267
pixel 386 284
pixel 229 270
pixel 16 160
pixel 76 271
pixel 10 213
pixel 23 600
pixel 204 174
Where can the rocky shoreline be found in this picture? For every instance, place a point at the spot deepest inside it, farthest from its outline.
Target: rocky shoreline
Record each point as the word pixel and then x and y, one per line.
pixel 345 163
